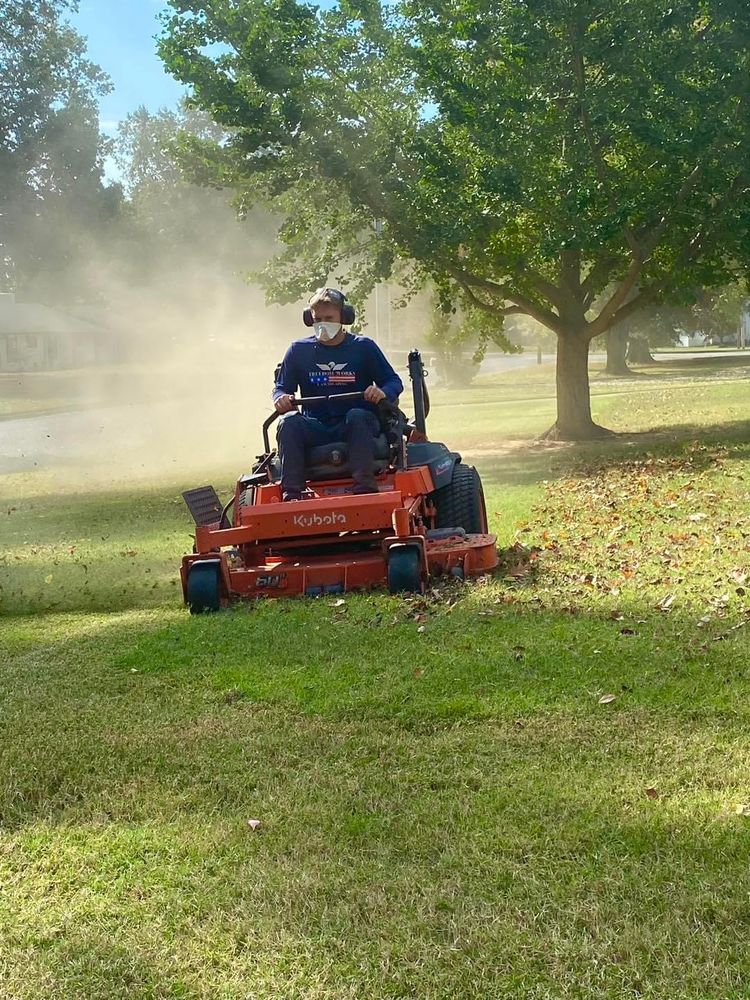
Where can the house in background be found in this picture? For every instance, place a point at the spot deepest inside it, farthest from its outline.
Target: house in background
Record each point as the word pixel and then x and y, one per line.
pixel 38 338
pixel 694 339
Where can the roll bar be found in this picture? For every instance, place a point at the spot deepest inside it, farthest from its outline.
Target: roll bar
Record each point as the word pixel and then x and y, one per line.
pixel 419 391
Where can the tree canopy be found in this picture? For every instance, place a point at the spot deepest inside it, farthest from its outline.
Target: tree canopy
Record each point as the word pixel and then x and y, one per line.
pixel 169 216
pixel 565 159
pixel 51 150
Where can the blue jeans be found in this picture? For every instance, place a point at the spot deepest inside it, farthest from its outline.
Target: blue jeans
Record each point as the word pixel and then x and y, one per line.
pixel 296 432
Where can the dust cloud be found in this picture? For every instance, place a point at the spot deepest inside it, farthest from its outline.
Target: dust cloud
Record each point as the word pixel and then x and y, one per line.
pixel 181 378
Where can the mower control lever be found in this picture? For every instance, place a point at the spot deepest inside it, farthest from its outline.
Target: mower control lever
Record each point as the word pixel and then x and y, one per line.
pixel 324 399
pixel 304 400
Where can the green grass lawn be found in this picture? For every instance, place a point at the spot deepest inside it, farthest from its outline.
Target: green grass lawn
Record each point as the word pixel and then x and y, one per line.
pixel 535 786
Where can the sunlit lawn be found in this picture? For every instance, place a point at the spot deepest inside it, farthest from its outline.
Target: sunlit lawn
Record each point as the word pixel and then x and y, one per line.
pixel 528 787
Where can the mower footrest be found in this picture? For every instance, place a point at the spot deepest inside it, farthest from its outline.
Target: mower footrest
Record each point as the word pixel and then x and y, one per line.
pixel 204 504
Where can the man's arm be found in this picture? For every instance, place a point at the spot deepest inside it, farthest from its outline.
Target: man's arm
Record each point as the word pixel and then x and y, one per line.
pixel 286 383
pixel 384 375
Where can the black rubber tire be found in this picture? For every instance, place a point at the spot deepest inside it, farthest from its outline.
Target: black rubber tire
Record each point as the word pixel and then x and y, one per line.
pixel 461 503
pixel 204 587
pixel 404 569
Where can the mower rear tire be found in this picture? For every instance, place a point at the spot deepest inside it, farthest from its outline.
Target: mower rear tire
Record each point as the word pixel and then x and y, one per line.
pixel 404 563
pixel 204 586
pixel 460 504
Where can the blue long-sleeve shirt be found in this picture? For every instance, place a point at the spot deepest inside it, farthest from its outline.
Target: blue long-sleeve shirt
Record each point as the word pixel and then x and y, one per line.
pixel 317 369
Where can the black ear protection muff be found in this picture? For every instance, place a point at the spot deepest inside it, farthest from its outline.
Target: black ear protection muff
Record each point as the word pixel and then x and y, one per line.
pixel 347 309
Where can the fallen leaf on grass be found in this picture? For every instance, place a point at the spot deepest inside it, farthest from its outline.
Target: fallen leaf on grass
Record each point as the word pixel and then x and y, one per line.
pixel 742 809
pixel 338 604
pixel 699 516
pixel 421 628
pixel 607 699
pixel 666 602
pixel 652 793
pixel 253 824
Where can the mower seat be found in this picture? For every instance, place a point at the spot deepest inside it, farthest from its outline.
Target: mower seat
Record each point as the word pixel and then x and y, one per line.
pixel 331 461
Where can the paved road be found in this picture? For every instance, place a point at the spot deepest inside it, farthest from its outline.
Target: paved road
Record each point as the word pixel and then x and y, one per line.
pixel 142 438
pixel 509 362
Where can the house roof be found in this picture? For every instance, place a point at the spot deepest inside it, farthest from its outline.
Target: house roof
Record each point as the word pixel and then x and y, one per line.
pixel 30 317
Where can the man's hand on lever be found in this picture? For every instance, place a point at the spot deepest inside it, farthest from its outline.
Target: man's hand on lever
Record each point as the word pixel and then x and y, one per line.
pixel 285 404
pixel 373 394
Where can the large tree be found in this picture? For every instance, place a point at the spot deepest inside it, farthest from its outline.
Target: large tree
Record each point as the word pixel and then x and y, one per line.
pixel 525 155
pixel 173 224
pixel 51 150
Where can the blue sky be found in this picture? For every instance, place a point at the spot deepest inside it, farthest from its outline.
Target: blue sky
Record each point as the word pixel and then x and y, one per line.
pixel 120 37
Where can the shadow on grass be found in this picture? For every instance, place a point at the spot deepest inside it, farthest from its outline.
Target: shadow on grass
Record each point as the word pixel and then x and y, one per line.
pixel 699 368
pixel 540 461
pixel 409 890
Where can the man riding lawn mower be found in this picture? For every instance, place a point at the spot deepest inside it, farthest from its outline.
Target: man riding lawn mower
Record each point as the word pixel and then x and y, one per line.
pixel 335 364
pixel 355 498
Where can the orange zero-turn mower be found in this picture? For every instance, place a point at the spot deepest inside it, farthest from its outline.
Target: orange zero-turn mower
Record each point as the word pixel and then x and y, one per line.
pixel 428 519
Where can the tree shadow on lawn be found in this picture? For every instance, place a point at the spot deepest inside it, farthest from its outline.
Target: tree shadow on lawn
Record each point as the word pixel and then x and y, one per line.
pixel 675 369
pixel 97 956
pixel 535 462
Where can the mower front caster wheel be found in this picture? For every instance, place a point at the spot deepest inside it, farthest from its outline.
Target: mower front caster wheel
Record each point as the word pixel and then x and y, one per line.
pixel 204 586
pixel 404 569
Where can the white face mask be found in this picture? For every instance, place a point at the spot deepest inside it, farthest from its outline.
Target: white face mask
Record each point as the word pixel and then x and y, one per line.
pixel 326 331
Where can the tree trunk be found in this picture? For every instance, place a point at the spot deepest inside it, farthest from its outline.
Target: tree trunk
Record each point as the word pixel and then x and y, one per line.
pixel 617 347
pixel 639 351
pixel 574 421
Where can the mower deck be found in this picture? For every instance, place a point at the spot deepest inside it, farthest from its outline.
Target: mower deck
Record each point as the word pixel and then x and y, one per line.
pixel 330 544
